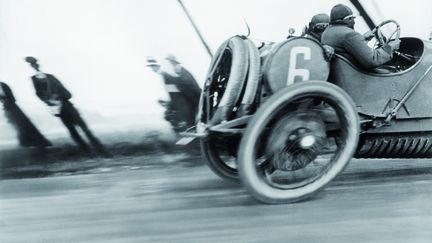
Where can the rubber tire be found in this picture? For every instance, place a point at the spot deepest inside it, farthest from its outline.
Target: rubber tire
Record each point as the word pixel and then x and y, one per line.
pixel 236 80
pixel 218 166
pixel 253 81
pixel 215 60
pixel 249 175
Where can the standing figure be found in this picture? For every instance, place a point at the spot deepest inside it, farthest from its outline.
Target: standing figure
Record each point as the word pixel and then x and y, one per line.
pixel 188 85
pixel 183 92
pixel 51 91
pixel 28 135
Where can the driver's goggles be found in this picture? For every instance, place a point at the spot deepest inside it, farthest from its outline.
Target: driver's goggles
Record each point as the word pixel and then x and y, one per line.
pixel 349 17
pixel 321 26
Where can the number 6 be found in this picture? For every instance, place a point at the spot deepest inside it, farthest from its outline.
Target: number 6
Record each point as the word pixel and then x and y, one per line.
pixel 292 70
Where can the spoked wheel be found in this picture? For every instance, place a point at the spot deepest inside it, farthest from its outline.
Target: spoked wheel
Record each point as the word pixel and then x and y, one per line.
pixel 288 151
pixel 220 96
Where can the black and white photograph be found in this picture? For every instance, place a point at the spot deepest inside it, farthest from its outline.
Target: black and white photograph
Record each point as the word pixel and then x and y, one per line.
pixel 215 121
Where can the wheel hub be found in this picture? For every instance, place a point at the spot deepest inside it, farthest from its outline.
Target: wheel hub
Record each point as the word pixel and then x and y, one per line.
pixel 307 141
pixel 296 141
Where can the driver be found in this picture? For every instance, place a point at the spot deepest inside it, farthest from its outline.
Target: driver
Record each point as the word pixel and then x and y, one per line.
pixel 349 43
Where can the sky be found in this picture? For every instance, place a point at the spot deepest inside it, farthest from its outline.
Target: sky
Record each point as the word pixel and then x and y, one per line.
pixel 98 48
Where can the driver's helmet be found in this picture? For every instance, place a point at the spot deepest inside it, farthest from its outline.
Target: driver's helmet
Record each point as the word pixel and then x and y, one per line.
pixel 341 12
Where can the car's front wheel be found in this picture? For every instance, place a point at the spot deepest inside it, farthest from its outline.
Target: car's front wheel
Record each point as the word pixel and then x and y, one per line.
pixel 288 151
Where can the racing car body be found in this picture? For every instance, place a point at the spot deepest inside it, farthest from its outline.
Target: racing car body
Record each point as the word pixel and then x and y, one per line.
pixel 287 118
pixel 374 93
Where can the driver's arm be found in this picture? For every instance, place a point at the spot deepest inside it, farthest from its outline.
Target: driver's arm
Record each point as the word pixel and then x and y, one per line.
pixel 356 45
pixel 369 35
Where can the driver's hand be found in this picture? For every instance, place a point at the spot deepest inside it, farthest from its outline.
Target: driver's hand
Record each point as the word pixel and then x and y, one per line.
pixel 394 44
pixel 369 35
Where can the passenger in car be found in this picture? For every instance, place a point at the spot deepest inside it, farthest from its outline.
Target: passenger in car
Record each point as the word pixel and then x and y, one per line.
pixel 316 26
pixel 349 43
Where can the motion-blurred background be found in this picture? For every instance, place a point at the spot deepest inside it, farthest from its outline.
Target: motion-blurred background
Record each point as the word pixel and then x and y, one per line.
pixel 98 49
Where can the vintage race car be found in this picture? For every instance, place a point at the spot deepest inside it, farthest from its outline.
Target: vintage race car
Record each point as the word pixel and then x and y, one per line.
pixel 287 118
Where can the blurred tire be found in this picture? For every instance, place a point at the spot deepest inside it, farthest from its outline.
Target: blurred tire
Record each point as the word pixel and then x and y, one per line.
pixel 251 175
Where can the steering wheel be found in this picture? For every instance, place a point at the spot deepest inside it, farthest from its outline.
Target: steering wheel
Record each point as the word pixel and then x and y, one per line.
pixel 381 39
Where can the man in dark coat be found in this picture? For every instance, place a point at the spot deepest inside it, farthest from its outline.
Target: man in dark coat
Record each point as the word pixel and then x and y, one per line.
pixel 188 85
pixel 183 92
pixel 28 135
pixel 346 41
pixel 52 92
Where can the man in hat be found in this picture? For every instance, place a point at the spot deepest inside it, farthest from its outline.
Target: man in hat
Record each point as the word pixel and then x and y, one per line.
pixel 346 41
pixel 316 26
pixel 188 85
pixel 182 107
pixel 51 91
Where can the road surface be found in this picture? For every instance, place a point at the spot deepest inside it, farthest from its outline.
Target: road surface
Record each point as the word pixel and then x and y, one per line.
pixel 175 198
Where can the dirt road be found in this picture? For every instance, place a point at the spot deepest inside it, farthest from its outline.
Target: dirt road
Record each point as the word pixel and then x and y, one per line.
pixel 170 201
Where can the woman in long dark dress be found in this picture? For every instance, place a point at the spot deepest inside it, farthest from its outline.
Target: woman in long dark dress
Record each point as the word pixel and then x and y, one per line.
pixel 28 134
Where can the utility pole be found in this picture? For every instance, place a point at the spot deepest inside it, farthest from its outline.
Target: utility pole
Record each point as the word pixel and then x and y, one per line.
pixel 363 13
pixel 195 28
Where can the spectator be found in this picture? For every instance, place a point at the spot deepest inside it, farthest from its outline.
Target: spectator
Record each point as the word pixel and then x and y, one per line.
pixel 183 92
pixel 28 135
pixel 52 92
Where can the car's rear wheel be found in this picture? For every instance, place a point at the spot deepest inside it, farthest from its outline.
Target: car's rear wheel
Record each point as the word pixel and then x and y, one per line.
pixel 222 91
pixel 288 151
pixel 221 156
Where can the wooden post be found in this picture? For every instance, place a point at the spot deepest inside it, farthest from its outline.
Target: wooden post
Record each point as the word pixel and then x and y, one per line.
pixel 195 28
